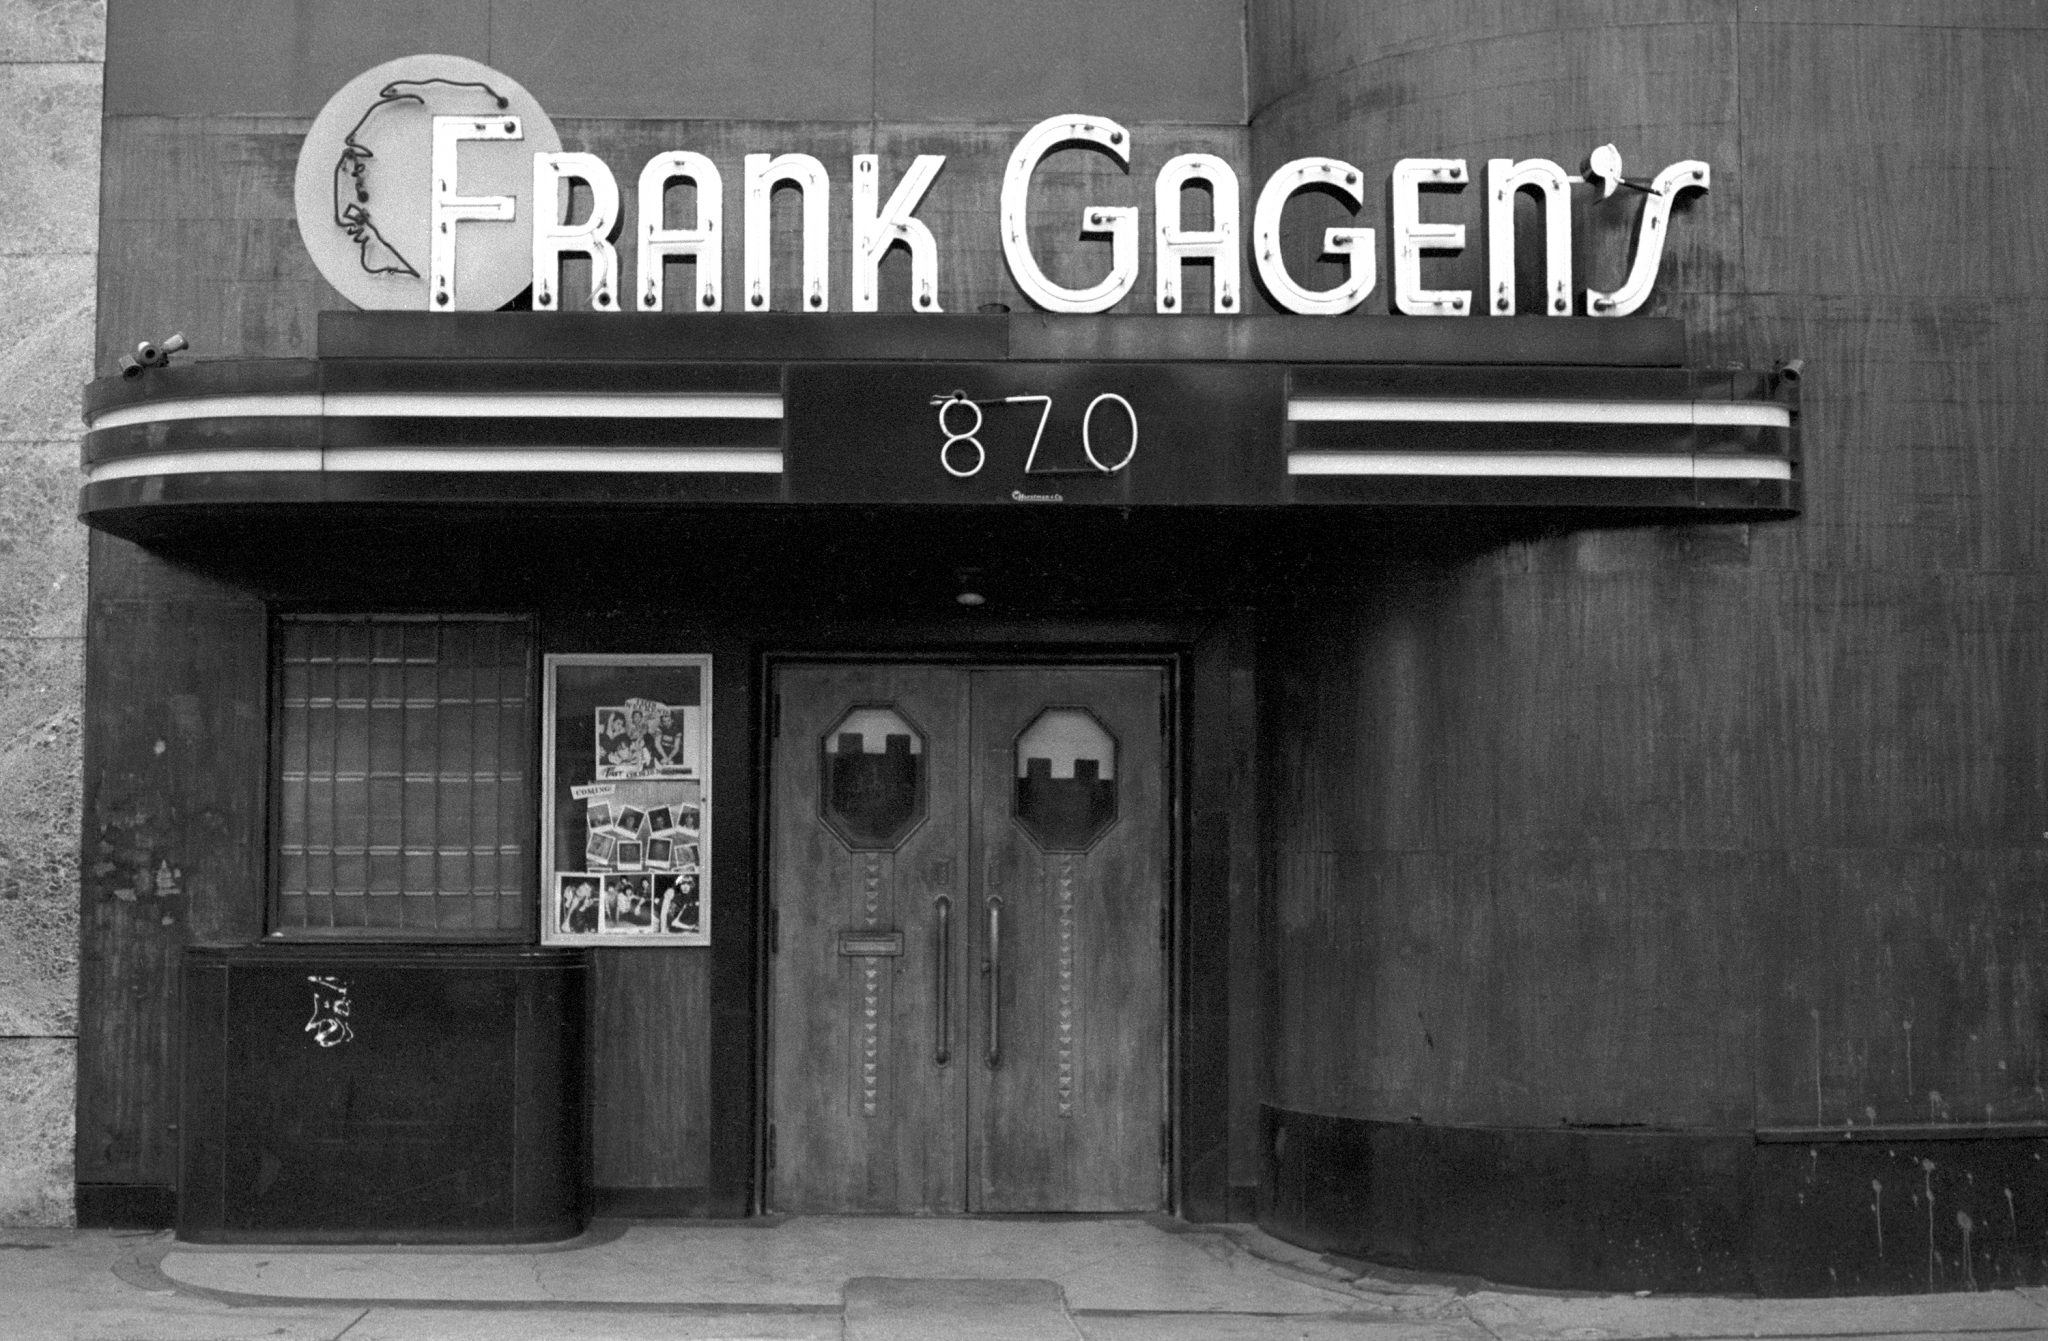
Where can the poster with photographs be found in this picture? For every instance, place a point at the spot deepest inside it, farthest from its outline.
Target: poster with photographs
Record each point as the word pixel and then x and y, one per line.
pixel 627 777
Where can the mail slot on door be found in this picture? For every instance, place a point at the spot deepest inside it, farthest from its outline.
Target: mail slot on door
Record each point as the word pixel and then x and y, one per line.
pixel 871 942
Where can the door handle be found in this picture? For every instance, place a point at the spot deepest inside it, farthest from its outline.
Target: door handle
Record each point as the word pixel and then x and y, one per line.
pixel 992 970
pixel 944 939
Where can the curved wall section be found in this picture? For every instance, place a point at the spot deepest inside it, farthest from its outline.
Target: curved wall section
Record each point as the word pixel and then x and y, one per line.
pixel 1660 867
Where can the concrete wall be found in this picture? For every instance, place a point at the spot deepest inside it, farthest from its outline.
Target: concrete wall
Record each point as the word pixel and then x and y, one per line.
pixel 791 60
pixel 1521 792
pixel 50 55
pixel 208 103
pixel 1728 829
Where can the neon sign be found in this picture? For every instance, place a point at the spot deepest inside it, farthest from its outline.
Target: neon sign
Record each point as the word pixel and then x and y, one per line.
pixel 461 151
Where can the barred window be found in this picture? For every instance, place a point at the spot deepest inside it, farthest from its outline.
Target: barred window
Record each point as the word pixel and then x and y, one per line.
pixel 402 803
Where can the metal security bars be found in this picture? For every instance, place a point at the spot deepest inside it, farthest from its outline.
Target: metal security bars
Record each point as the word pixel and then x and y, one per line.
pixel 403 752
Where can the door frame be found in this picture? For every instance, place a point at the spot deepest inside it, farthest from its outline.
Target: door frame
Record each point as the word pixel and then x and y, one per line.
pixel 1173 666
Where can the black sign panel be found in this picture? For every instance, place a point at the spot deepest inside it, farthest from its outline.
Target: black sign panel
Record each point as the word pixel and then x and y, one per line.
pixel 382 1093
pixel 1035 433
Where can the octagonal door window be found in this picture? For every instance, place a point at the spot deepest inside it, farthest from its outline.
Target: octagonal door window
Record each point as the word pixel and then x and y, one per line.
pixel 1066 779
pixel 872 778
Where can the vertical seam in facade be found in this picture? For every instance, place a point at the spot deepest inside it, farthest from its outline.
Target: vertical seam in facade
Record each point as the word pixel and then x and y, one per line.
pixel 1756 1023
pixel 1244 69
pixel 1741 160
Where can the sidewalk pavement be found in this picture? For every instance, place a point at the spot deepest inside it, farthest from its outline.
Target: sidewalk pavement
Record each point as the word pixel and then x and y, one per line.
pixel 823 1278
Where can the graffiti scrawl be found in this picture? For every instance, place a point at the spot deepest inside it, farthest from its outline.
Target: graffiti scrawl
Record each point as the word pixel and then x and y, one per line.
pixel 329 1025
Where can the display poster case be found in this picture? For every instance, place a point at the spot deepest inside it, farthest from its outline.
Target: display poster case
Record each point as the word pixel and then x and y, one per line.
pixel 626 809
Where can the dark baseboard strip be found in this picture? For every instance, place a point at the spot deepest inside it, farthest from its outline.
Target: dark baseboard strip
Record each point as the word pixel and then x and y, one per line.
pixel 653 1203
pixel 1947 1131
pixel 125 1205
pixel 1619 1209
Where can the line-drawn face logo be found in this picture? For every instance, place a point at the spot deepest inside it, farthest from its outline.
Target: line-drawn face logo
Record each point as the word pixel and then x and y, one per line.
pixel 351 175
pixel 364 188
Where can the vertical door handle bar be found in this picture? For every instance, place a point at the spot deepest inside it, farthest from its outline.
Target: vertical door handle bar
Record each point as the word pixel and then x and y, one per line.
pixel 992 969
pixel 944 1052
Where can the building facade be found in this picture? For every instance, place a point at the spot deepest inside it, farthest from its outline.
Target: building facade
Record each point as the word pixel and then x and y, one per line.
pixel 1462 748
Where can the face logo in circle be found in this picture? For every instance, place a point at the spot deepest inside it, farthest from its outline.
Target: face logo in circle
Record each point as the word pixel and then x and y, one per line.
pixel 351 174
pixel 365 187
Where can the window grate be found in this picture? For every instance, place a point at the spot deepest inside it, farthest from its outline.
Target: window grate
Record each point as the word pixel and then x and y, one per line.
pixel 402 786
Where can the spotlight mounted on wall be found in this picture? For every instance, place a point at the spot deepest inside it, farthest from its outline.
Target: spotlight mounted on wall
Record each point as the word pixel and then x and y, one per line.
pixel 1790 369
pixel 152 354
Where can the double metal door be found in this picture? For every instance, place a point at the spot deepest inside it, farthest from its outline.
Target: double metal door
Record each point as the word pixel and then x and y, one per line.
pixel 968 874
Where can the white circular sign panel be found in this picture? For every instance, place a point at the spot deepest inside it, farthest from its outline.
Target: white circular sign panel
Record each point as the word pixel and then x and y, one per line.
pixel 364 189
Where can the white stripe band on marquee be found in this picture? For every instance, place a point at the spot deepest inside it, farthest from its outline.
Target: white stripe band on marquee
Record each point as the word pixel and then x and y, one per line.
pixel 513 460
pixel 455 405
pixel 695 405
pixel 1571 465
pixel 289 461
pixel 1433 410
pixel 1580 465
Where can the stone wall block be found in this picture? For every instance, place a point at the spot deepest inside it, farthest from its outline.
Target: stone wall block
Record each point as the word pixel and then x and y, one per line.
pixel 53 30
pixel 49 171
pixel 36 1082
pixel 45 344
pixel 39 770
pixel 42 543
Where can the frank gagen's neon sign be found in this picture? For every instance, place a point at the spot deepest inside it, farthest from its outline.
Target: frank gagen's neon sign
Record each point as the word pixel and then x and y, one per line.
pixel 472 115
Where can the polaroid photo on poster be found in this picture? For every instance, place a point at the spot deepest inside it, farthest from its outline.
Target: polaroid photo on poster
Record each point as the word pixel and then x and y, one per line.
pixel 576 901
pixel 628 904
pixel 675 740
pixel 625 771
pixel 680 910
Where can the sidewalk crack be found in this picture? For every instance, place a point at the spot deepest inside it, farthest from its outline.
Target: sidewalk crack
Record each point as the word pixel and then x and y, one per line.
pixel 1471 1316
pixel 541 1287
